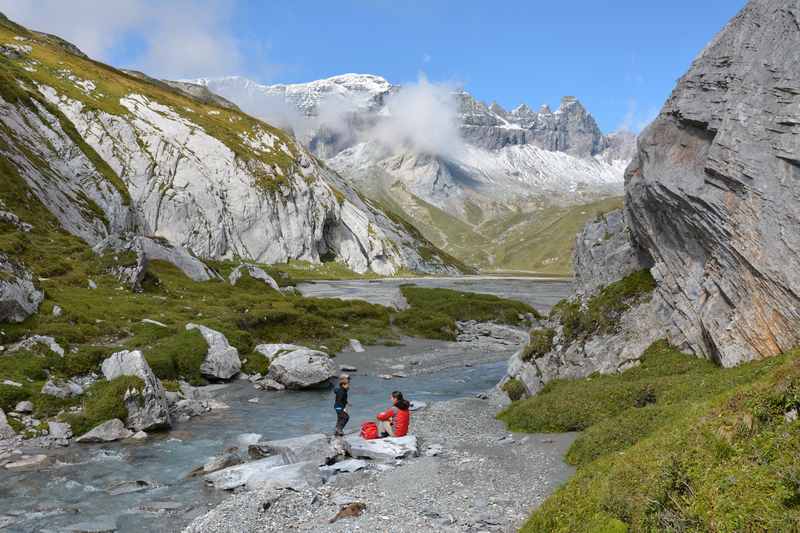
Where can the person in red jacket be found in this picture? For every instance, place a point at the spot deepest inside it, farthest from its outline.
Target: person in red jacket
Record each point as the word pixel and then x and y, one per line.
pixel 394 421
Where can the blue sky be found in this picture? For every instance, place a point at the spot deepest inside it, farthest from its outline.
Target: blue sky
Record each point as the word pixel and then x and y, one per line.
pixel 621 58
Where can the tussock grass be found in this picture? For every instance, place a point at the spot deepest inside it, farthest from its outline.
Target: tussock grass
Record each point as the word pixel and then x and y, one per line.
pixel 676 444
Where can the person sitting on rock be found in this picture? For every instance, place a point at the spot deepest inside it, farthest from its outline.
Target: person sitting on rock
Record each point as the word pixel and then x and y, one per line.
pixel 340 404
pixel 394 421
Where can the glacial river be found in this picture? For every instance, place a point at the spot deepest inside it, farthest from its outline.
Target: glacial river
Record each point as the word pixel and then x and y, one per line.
pixel 75 492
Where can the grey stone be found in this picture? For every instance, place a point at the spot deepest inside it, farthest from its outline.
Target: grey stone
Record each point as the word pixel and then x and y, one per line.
pixel 348 466
pixel 387 449
pixel 302 368
pixel 314 447
pixel 127 487
pixel 222 359
pixel 101 525
pixel 19 297
pixel 109 431
pixel 148 409
pixel 254 272
pixel 712 195
pixel 57 311
pixel 31 342
pixel 221 462
pixel 488 335
pixel 296 476
pixel 61 389
pixel 605 253
pixel 356 346
pixel 24 407
pixel 239 475
pixel 6 431
pixel 790 415
pixel 59 430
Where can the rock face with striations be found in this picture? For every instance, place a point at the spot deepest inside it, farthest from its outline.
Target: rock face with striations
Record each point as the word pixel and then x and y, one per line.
pixel 712 194
pixel 19 298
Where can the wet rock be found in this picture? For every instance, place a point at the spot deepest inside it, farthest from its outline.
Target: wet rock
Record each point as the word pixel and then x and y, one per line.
pixel 270 384
pixel 148 409
pixel 239 476
pixel 302 368
pixel 221 462
pixel 139 435
pixel 222 360
pixel 356 346
pixel 19 297
pixel 160 507
pixel 348 368
pixel 6 431
pixel 386 376
pixel 27 461
pixel 387 449
pixel 61 389
pixel 348 466
pixel 25 407
pixel 188 408
pixel 254 272
pixel 128 487
pixel 109 431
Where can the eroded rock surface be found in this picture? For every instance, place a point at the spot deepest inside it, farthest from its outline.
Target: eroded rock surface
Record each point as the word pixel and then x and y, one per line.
pixel 148 409
pixel 302 368
pixel 712 194
pixel 222 360
pixel 19 297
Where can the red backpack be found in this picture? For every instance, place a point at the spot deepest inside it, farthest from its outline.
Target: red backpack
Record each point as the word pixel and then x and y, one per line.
pixel 369 431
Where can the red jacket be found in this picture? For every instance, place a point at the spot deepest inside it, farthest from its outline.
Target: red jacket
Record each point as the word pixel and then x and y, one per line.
pixel 400 418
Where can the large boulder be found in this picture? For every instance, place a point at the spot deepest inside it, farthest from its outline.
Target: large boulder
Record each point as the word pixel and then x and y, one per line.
pixel 254 272
pixel 148 409
pixel 239 475
pixel 302 368
pixel 109 431
pixel 222 359
pixel 19 297
pixel 6 431
pixel 259 475
pixel 316 448
pixel 712 194
pixel 30 343
pixel 387 449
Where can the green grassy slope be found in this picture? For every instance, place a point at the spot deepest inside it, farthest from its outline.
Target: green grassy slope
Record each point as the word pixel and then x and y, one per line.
pixel 675 444
pixel 537 238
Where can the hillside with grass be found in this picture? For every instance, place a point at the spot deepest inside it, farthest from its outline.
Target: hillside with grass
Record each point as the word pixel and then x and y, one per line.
pixel 675 444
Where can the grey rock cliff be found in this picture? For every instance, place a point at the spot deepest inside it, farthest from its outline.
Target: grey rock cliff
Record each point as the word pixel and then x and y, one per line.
pixel 604 253
pixel 712 194
pixel 19 298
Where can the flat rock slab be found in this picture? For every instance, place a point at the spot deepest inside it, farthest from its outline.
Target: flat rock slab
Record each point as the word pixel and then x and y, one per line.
pixel 31 461
pixel 349 466
pixel 96 526
pixel 387 449
pixel 106 432
pixel 239 475
pixel 315 447
pixel 297 476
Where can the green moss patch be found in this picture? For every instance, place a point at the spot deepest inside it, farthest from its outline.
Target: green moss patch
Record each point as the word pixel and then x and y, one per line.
pixel 602 312
pixel 541 342
pixel 433 312
pixel 515 389
pixel 178 357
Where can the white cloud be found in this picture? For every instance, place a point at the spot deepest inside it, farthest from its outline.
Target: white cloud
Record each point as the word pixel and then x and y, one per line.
pixel 180 38
pixel 424 117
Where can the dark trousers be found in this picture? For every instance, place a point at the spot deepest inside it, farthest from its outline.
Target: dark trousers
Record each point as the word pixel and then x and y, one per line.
pixel 341 420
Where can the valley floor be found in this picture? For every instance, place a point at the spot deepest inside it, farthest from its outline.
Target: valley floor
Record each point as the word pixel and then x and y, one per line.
pixel 484 479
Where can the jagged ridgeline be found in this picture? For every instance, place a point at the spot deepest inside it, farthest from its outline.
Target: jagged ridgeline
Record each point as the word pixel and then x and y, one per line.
pixel 114 154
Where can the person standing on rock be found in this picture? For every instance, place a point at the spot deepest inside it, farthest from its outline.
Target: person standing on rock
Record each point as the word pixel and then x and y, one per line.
pixel 340 404
pixel 394 421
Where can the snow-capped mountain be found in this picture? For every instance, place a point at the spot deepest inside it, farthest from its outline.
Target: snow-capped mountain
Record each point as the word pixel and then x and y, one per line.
pixel 441 145
pixel 117 155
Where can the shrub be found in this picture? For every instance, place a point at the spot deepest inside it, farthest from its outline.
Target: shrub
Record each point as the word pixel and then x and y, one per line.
pixel 541 342
pixel 515 389
pixel 103 401
pixel 179 357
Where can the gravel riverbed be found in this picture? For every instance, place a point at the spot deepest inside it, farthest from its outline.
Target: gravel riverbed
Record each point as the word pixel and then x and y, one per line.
pixel 481 478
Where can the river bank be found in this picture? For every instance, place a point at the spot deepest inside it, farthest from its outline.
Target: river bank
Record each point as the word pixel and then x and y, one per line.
pixel 472 475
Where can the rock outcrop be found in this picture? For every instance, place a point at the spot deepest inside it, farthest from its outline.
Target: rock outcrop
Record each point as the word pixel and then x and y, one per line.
pixel 254 272
pixel 605 253
pixel 302 368
pixel 6 431
pixel 222 360
pixel 19 297
pixel 148 409
pixel 110 431
pixel 712 194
